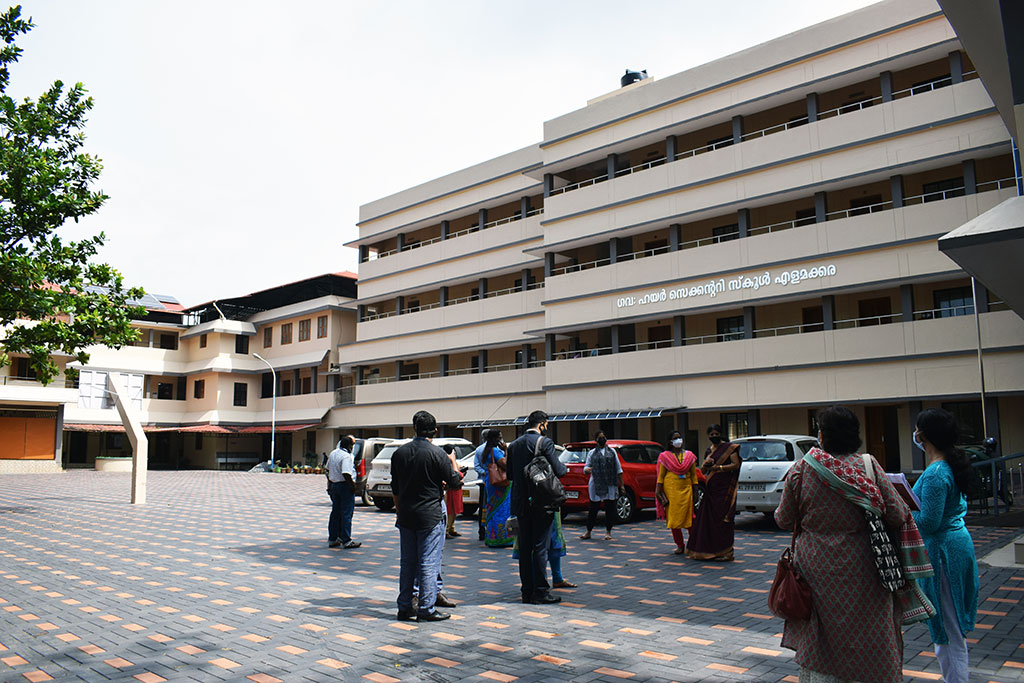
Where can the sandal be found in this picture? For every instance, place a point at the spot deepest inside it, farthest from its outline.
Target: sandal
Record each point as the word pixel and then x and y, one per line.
pixel 679 551
pixel 564 584
pixel 607 537
pixel 586 536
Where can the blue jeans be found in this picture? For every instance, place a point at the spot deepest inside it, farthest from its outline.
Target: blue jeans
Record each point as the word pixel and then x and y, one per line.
pixel 421 559
pixel 343 504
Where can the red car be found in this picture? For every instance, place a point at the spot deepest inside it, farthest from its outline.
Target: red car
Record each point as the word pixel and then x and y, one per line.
pixel 639 460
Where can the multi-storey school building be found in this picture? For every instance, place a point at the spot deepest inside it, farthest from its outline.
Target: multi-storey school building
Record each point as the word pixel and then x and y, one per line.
pixel 740 243
pixel 203 397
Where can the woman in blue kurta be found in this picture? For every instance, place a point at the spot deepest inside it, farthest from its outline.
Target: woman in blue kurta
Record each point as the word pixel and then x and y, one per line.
pixel 496 506
pixel 942 489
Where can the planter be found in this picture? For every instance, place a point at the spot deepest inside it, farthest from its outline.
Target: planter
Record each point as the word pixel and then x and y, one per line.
pixel 107 463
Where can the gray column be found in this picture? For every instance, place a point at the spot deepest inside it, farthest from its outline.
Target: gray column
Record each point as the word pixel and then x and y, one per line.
pixel 743 221
pixel 615 339
pixel 481 288
pixel 481 218
pixel 446 228
pixel 549 184
pixel 896 189
pixel 400 305
pixel 754 421
pixel 399 367
pixel 748 322
pixel 524 206
pixel 526 357
pixel 828 312
pixel 401 241
pixel 549 347
pixel 992 423
pixel 444 364
pixel 886 80
pixel 812 107
pixel 970 177
pixel 481 360
pixel 314 375
pixel 956 66
pixel 525 278
pixel 675 236
pixel 151 336
pixel 296 383
pixel 359 374
pixel 444 296
pixel 916 454
pixel 737 130
pixel 907 303
pixel 980 298
pixel 613 250
pixel 549 264
pixel 820 207
pixel 678 330
pixel 360 313
pixel 364 253
pixel 612 165
pixel 670 148
pixel 58 436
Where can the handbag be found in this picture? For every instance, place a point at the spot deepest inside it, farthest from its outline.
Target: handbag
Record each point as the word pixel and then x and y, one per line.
pixel 496 474
pixel 790 596
pixel 883 550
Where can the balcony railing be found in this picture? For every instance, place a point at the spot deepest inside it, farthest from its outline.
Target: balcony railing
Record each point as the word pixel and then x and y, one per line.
pixel 475 228
pixel 454 372
pixel 345 396
pixel 451 302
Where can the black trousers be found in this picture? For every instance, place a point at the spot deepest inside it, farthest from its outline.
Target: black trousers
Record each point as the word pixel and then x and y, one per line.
pixel 609 514
pixel 534 544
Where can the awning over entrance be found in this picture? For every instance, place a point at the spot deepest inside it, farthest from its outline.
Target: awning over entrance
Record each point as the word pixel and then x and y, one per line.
pixel 508 422
pixel 265 429
pixel 614 415
pixel 194 429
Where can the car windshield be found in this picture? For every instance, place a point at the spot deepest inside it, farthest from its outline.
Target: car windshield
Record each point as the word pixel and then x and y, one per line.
pixel 569 456
pixel 765 451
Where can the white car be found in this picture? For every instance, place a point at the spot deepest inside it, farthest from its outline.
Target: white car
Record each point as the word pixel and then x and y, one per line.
pixel 766 462
pixel 378 483
pixel 363 452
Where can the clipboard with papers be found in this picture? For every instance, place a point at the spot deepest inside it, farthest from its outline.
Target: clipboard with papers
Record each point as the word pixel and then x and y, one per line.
pixel 902 486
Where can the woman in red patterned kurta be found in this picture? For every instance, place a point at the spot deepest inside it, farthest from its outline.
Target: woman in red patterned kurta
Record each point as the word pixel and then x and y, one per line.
pixel 854 632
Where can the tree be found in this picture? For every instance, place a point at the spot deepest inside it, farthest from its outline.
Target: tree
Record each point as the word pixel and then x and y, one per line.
pixel 45 179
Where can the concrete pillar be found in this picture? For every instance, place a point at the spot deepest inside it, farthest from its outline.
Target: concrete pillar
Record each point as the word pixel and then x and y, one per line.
pixel 980 298
pixel 737 130
pixel 401 241
pixel 364 253
pixel 612 165
pixel 670 148
pixel 524 207
pixel 359 374
pixel 549 347
pixel 549 264
pixel 886 81
pixel 399 305
pixel 675 236
pixel 812 107
pixel 820 207
pixel 743 221
pixel 524 280
pixel 970 177
pixel 956 67
pixel 828 312
pixel 481 288
pixel 748 322
pixel 896 189
pixel 481 360
pixel 916 454
pixel 446 228
pixel 678 330
pixel 481 218
pixel 549 184
pixel 58 437
pixel 444 364
pixel 444 296
pixel 754 421
pixel 615 339
pixel 151 337
pixel 360 313
pixel 613 250
pixel 296 382
pixel 399 367
pixel 526 357
pixel 907 303
pixel 992 423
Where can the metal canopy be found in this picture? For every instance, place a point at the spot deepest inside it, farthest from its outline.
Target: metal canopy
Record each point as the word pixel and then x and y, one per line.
pixel 614 415
pixel 508 422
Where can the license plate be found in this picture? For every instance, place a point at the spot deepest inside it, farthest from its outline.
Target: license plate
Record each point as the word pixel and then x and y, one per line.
pixel 572 494
pixel 465 493
pixel 751 487
pixel 384 488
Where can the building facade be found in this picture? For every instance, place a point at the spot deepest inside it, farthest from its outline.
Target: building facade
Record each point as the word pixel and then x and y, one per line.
pixel 740 243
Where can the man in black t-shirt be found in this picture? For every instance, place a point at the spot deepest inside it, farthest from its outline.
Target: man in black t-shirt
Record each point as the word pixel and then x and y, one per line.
pixel 419 472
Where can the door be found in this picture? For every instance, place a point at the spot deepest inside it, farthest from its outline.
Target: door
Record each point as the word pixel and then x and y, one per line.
pixel 77 447
pixel 881 436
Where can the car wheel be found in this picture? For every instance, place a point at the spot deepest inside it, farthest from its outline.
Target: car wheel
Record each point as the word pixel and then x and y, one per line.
pixel 367 498
pixel 625 507
pixel 384 503
pixel 468 510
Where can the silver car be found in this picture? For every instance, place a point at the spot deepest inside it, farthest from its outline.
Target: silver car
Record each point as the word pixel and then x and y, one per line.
pixel 766 462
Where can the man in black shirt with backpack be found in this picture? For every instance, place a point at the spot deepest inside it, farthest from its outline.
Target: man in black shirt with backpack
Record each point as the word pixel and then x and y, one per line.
pixel 535 521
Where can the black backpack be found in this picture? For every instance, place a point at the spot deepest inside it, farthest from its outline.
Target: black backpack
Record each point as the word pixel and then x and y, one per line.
pixel 543 487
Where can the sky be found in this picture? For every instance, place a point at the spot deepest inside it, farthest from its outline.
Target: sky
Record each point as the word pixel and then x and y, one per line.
pixel 239 139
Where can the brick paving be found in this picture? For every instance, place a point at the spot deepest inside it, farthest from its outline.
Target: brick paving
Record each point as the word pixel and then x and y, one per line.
pixel 226 576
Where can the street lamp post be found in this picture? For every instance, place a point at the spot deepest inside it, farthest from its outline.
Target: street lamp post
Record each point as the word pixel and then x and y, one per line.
pixel 273 406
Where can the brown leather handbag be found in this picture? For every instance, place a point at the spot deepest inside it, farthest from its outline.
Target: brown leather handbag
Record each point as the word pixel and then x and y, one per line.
pixel 790 596
pixel 496 474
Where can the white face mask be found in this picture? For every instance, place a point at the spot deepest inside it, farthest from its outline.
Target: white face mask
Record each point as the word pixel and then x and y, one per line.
pixel 677 443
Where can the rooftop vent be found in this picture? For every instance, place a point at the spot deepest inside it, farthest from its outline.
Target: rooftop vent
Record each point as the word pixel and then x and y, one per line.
pixel 632 77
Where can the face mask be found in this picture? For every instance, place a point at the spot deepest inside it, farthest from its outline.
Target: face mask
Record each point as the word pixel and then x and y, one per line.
pixel 716 440
pixel 601 442
pixel 677 443
pixel 916 442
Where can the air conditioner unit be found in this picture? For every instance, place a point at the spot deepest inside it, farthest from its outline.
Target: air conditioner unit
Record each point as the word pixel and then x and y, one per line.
pixel 335 367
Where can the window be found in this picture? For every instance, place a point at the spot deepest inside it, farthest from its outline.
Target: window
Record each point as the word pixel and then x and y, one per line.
pixel 241 344
pixel 950 303
pixel 968 420
pixel 267 385
pixel 321 327
pixel 202 341
pixel 199 388
pixel 730 329
pixel 304 330
pixel 943 189
pixel 286 333
pixel 727 232
pixel 25 369
pixel 268 337
pixel 307 385
pixel 735 426
pixel 241 394
pixel 286 387
pixel 165 390
pixel 169 341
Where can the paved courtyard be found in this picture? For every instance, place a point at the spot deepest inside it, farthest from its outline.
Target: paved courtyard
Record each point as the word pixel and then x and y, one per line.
pixel 226 576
